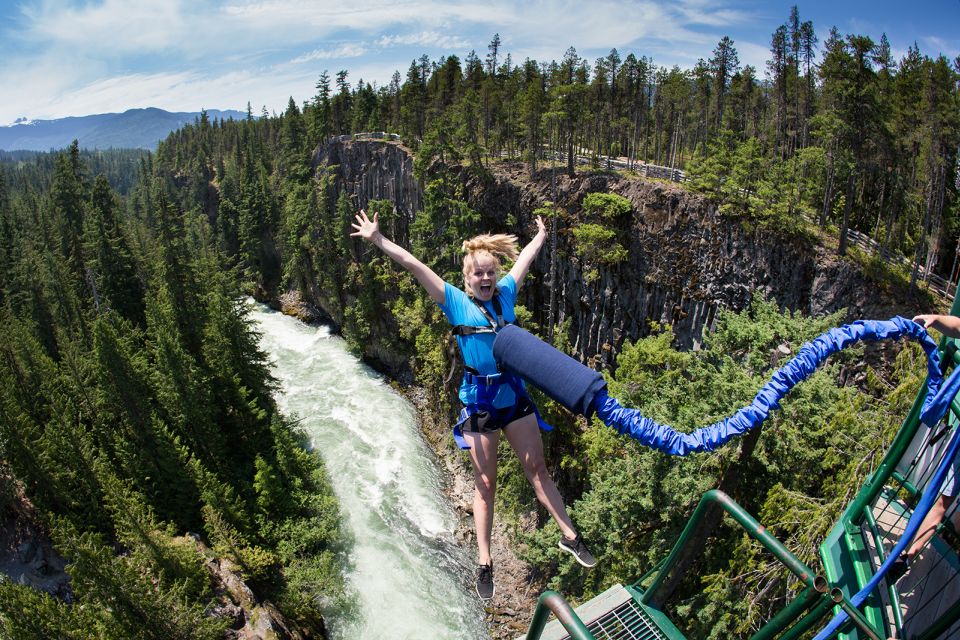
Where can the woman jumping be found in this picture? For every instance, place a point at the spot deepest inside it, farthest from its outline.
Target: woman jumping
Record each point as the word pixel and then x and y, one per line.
pixel 493 402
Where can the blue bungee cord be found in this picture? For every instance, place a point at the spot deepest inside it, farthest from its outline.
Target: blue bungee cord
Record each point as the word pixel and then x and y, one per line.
pixel 804 364
pixel 583 391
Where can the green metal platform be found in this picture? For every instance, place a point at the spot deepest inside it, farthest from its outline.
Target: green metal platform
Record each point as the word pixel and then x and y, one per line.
pixel 616 614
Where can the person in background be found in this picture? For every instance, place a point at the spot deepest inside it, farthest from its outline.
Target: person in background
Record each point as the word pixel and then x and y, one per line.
pixel 949 326
pixel 494 403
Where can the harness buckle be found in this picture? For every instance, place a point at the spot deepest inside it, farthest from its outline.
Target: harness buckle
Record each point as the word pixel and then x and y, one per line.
pixel 486 381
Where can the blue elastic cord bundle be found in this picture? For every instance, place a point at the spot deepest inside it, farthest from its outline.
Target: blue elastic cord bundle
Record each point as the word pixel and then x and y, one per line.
pixel 582 390
pixel 803 365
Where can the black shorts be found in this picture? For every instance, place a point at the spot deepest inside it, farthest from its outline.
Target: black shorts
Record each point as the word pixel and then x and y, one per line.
pixel 485 422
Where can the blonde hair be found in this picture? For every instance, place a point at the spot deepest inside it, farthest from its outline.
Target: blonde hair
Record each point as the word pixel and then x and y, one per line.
pixel 494 245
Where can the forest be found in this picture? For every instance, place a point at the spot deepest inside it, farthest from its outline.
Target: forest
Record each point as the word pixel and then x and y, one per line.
pixel 138 415
pixel 137 408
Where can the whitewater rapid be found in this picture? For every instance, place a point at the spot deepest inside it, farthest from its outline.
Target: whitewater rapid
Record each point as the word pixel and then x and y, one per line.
pixel 407 577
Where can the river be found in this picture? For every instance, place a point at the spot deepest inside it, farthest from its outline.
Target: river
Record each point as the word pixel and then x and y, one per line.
pixel 407 576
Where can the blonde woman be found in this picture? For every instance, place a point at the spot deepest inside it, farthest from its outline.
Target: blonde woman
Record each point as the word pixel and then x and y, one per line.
pixel 493 402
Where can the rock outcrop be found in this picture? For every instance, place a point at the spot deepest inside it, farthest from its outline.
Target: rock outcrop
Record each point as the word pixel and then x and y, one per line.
pixel 27 555
pixel 250 617
pixel 371 170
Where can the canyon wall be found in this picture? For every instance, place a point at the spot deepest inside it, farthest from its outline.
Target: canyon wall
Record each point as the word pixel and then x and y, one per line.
pixel 684 260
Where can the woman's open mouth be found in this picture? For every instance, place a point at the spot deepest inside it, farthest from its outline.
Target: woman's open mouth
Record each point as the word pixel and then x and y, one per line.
pixel 485 289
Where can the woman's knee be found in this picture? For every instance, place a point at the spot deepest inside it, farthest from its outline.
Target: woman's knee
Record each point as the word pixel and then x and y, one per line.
pixel 486 486
pixel 534 466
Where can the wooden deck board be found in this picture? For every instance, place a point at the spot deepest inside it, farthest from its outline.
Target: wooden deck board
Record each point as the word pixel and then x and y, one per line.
pixel 932 584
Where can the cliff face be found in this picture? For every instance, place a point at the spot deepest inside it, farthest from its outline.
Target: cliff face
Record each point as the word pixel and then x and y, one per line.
pixel 369 170
pixel 684 260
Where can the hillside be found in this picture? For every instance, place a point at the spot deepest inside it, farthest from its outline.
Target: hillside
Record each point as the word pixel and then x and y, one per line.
pixel 132 129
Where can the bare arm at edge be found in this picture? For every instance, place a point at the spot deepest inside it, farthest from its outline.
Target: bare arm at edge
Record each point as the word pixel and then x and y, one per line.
pixel 945 324
pixel 369 230
pixel 526 257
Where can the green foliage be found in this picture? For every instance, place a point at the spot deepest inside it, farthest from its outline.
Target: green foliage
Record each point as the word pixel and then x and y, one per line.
pixel 598 244
pixel 420 322
pixel 309 536
pixel 128 364
pixel 128 601
pixel 29 614
pixel 607 206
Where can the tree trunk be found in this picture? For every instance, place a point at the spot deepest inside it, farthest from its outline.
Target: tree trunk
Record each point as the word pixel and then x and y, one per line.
pixel 847 208
pixel 827 197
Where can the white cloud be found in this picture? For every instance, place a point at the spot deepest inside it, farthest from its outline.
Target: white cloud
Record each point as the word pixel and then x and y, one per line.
pixel 710 13
pixel 343 51
pixel 425 39
pixel 755 55
pixel 137 90
pixel 366 16
pixel 120 25
pixel 934 46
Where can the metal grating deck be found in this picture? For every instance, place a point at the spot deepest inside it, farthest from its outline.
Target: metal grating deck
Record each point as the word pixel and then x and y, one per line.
pixel 612 615
pixel 626 622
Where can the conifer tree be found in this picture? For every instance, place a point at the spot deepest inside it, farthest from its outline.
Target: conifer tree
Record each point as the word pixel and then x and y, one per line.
pixel 113 271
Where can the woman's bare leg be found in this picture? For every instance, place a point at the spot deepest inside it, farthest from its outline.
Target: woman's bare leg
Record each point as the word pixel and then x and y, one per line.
pixel 524 436
pixel 483 455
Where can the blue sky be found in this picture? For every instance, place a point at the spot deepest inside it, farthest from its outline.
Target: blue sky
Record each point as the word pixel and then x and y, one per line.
pixel 61 58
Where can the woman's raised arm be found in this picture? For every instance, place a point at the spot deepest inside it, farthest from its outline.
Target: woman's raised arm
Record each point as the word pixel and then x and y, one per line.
pixel 369 230
pixel 525 259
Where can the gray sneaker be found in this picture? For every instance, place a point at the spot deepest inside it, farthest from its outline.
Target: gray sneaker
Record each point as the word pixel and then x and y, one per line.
pixel 579 550
pixel 485 587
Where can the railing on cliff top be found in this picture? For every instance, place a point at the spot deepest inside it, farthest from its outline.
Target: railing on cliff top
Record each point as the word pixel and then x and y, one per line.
pixel 940 285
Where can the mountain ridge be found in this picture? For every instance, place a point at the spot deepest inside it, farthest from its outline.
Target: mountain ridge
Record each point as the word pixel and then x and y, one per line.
pixel 131 129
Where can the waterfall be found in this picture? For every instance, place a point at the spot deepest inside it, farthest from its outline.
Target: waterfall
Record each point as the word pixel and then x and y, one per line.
pixel 406 575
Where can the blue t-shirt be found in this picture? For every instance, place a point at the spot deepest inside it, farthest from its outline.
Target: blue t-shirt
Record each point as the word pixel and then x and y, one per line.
pixel 477 349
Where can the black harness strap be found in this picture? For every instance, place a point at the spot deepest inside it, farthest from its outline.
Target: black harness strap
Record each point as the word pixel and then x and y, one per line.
pixel 494 326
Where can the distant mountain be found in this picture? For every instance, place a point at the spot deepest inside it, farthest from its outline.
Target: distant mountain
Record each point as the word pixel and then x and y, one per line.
pixel 133 129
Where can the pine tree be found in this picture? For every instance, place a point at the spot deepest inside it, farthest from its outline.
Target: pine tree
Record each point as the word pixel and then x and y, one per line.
pixel 113 271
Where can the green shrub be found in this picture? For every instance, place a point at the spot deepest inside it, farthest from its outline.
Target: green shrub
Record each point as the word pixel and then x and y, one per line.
pixel 598 244
pixel 608 206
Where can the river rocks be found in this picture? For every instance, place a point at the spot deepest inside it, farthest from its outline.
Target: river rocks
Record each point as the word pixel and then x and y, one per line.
pixel 292 304
pixel 27 555
pixel 250 618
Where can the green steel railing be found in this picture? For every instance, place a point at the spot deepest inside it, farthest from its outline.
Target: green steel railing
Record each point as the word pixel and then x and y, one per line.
pixel 551 601
pixel 859 511
pixel 814 596
pixel 754 528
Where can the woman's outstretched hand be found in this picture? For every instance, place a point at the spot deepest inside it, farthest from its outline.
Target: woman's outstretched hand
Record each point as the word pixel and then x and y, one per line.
pixel 541 228
pixel 365 227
